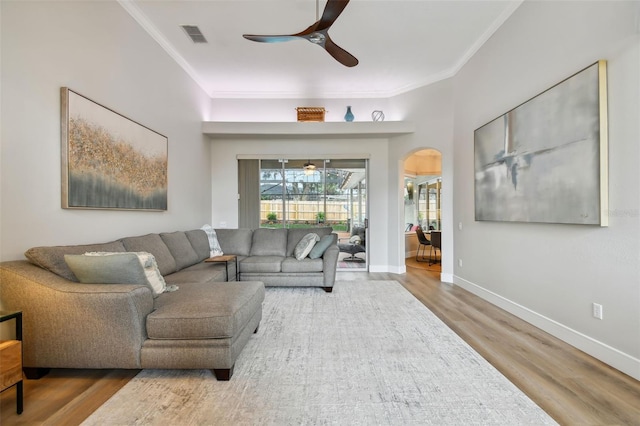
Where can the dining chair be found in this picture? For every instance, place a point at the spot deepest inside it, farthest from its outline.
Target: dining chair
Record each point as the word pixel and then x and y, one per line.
pixel 436 242
pixel 423 242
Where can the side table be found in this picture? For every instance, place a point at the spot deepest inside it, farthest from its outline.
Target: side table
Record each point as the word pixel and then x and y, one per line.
pixel 226 259
pixel 11 359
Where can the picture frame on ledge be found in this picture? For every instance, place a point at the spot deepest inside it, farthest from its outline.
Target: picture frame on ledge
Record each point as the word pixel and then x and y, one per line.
pixel 546 161
pixel 108 160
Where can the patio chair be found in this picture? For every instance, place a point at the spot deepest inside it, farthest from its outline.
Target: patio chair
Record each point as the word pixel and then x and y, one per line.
pixel 356 243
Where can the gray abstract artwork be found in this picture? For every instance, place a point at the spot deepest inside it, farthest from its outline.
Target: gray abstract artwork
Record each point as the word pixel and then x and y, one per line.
pixel 541 161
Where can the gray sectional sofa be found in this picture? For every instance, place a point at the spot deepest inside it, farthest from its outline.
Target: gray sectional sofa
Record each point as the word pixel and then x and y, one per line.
pixel 204 324
pixel 267 255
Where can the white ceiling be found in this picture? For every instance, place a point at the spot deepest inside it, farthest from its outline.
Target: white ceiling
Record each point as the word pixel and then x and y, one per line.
pixel 401 44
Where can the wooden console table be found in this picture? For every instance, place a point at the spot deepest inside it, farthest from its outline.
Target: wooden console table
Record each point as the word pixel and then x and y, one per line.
pixel 11 359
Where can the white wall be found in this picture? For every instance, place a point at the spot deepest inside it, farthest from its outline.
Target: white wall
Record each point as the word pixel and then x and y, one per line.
pixel 98 50
pixel 551 274
pixel 431 109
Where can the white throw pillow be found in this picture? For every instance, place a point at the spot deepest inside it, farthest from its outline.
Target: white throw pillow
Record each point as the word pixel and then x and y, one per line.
pixel 214 245
pixel 155 278
pixel 305 245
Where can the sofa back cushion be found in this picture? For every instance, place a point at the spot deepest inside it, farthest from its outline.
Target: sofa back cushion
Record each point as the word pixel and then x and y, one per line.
pixel 52 258
pixel 235 241
pixel 296 234
pixel 200 243
pixel 269 242
pixel 180 248
pixel 152 243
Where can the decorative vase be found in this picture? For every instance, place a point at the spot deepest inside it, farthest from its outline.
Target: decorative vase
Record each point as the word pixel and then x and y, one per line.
pixel 349 115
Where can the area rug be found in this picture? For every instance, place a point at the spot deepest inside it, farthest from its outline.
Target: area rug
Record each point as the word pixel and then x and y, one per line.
pixel 367 354
pixel 352 264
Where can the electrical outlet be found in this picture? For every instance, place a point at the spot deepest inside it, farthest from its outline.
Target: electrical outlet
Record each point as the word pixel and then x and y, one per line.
pixel 597 310
pixel 460 263
pixel 460 226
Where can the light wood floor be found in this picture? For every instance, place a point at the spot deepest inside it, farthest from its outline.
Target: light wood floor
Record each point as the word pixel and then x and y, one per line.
pixel 574 388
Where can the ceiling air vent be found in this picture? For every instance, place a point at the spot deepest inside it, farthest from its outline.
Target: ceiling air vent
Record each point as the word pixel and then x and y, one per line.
pixel 194 33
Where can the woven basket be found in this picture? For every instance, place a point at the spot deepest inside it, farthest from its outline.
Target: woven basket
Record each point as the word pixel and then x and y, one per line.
pixel 310 113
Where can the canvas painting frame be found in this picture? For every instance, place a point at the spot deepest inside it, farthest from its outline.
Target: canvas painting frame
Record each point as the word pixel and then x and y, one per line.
pixel 546 161
pixel 108 160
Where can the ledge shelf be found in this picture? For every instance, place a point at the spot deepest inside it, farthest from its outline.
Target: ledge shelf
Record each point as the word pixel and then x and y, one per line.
pixel 356 129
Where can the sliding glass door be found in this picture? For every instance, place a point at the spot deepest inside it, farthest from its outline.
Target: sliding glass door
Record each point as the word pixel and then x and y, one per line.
pixel 318 192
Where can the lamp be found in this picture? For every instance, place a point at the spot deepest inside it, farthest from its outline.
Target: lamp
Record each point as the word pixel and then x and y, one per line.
pixel 309 168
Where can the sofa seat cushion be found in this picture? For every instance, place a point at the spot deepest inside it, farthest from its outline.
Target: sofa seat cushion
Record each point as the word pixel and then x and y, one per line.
pixel 199 273
pixel 205 310
pixel 261 264
pixel 291 264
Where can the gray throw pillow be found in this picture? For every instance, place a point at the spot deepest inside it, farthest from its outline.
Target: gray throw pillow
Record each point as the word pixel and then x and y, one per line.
pixel 117 268
pixel 124 268
pixel 304 247
pixel 321 246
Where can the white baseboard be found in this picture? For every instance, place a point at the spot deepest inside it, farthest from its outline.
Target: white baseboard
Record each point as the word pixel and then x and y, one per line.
pixel 402 269
pixel 446 278
pixel 388 268
pixel 605 353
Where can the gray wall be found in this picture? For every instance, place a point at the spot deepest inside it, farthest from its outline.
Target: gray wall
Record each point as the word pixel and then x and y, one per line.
pixel 551 274
pixel 99 51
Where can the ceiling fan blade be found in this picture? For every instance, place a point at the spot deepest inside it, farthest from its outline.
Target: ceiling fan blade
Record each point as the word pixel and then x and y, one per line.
pixel 340 55
pixel 317 34
pixel 332 10
pixel 270 38
pixel 312 29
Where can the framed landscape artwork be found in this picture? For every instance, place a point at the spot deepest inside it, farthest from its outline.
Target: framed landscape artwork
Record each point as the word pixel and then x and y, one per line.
pixel 108 160
pixel 546 160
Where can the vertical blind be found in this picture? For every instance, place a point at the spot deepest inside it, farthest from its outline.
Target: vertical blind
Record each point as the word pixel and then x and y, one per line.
pixel 248 193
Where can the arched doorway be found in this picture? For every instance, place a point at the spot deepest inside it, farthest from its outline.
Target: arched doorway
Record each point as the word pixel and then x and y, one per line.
pixel 422 208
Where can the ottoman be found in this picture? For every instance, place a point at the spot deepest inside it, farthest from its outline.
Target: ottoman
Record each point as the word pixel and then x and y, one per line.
pixel 202 326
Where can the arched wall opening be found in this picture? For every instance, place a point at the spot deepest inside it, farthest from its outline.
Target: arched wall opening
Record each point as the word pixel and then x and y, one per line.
pixel 422 193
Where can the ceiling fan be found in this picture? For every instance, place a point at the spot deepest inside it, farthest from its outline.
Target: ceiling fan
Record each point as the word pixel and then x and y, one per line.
pixel 318 33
